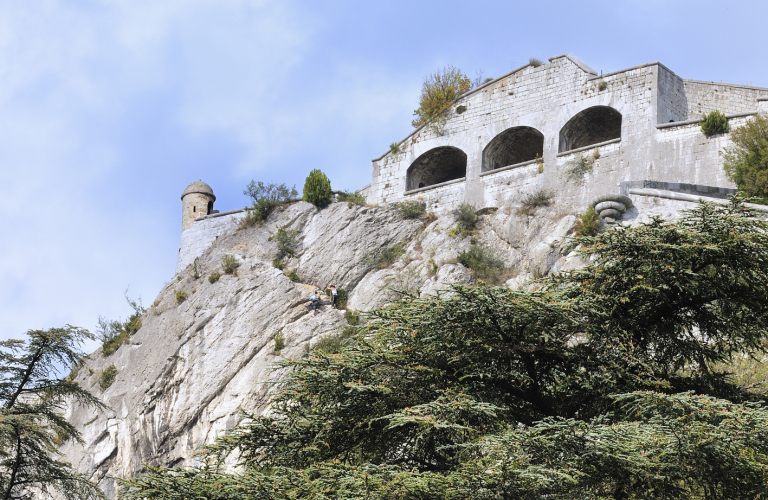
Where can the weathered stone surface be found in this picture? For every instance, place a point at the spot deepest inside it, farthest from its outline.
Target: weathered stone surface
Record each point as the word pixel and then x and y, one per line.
pixel 185 374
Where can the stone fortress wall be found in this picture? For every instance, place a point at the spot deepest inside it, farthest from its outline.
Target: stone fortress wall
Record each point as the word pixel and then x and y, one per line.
pixel 643 121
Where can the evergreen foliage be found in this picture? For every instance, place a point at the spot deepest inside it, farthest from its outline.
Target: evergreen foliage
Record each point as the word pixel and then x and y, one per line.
pixel 713 123
pixel 466 218
pixel 114 333
pixel 604 382
pixel 412 209
pixel 266 197
pixel 317 189
pixel 287 241
pixel 588 223
pixel 746 162
pixel 438 91
pixel 483 262
pixel 32 422
pixel 351 199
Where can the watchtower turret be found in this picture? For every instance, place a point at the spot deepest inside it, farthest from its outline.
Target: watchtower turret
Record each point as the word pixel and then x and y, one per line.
pixel 197 200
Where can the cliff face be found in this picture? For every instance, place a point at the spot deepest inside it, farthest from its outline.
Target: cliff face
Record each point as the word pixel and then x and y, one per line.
pixel 183 376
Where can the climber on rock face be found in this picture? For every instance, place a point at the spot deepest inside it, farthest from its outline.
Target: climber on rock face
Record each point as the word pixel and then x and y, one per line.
pixel 314 302
pixel 334 295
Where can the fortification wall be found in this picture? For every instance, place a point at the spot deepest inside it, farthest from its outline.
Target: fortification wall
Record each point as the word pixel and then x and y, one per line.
pixel 198 238
pixel 704 97
pixel 659 136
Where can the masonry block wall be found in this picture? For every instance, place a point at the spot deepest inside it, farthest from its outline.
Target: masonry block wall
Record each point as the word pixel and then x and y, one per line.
pixel 638 120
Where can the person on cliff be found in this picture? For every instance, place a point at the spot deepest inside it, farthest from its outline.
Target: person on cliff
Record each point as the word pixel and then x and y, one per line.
pixel 334 295
pixel 314 302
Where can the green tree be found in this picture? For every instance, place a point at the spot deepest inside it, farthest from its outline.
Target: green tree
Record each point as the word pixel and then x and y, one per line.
pixel 266 197
pixel 32 424
pixel 746 162
pixel 602 383
pixel 438 91
pixel 317 189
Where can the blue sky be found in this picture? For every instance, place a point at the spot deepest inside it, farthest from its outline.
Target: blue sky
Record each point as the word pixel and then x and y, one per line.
pixel 108 109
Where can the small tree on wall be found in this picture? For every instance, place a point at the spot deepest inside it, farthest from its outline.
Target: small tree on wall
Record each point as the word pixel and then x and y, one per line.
pixel 714 123
pixel 438 91
pixel 317 189
pixel 746 162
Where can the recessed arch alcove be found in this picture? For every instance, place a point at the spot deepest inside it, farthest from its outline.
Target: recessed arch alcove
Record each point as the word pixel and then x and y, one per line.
pixel 591 126
pixel 437 165
pixel 514 145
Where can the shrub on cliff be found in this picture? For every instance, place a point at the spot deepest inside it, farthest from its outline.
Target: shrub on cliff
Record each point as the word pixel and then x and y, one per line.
pixel 588 224
pixel 114 333
pixel 317 189
pixel 483 262
pixel 438 91
pixel 266 197
pixel 746 162
pixel 604 382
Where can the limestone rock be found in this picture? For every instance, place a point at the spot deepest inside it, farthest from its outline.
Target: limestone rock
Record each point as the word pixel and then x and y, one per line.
pixel 194 363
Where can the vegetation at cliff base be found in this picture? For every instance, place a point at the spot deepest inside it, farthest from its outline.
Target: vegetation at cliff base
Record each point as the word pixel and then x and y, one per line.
pixel 606 382
pixel 317 189
pixel 33 400
pixel 438 91
pixel 266 197
pixel 746 162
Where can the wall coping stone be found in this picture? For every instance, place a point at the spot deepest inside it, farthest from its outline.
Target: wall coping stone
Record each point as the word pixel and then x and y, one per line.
pixel 575 60
pixel 671 195
pixel 221 214
pixel 587 148
pixel 640 66
pixel 433 186
pixel 696 189
pixel 724 84
pixel 698 122
pixel 761 99
pixel 508 167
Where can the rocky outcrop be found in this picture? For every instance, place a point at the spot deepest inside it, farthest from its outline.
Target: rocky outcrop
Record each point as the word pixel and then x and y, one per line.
pixel 206 350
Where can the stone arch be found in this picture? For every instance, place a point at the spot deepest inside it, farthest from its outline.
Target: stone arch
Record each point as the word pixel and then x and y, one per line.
pixel 514 145
pixel 591 126
pixel 437 165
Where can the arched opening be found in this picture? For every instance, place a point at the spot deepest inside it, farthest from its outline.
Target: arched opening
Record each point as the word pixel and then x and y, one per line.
pixel 514 145
pixel 442 164
pixel 591 126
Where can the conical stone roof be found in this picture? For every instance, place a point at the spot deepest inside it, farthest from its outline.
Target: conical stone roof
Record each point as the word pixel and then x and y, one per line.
pixel 199 187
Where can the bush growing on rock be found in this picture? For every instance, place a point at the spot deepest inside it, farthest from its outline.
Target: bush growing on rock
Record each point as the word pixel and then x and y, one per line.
pixel 382 257
pixel 266 197
pixel 351 198
pixel 746 162
pixel 229 264
pixel 412 209
pixel 181 296
pixel 287 241
pixel 534 201
pixel 466 218
pixel 603 383
pixel 588 224
pixel 317 189
pixel 107 377
pixel 483 262
pixel 114 333
pixel 214 277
